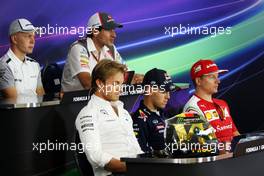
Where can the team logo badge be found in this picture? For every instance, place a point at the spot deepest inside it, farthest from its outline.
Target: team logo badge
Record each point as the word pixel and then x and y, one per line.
pixel 208 116
pixel 104 112
pixel 142 115
pixel 215 114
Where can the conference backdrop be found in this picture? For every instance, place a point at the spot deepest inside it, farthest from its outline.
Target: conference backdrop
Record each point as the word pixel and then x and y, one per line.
pixel 167 34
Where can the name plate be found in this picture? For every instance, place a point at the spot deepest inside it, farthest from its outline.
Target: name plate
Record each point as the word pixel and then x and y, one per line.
pixel 250 144
pixel 75 97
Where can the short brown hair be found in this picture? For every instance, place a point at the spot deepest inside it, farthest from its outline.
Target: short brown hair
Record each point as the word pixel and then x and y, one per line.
pixel 105 69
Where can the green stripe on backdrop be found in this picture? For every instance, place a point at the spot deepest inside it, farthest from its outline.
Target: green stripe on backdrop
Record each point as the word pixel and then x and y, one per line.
pixel 179 59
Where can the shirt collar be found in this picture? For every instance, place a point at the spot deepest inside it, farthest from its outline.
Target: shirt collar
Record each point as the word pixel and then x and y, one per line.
pixel 12 56
pixel 204 99
pixel 148 111
pixel 91 47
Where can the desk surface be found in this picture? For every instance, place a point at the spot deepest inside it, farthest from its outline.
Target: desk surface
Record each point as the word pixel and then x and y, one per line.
pixel 246 165
pixel 28 102
pixel 140 159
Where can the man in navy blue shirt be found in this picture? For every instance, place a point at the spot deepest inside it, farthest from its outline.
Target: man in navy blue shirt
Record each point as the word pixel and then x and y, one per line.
pixel 148 119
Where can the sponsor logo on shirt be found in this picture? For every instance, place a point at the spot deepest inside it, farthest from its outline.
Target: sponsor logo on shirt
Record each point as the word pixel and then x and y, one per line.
pixel 155 121
pixel 84 60
pixel 85 121
pixel 142 115
pixel 2 73
pixel 136 129
pixel 208 116
pixel 103 111
pixel 161 131
pixel 221 128
pixel 84 117
pixel 215 114
pixel 202 106
pixel 86 129
pixel 158 127
pixel 34 76
pixel 87 125
pixel 211 115
pixel 20 80
pixel 84 52
pixel 84 63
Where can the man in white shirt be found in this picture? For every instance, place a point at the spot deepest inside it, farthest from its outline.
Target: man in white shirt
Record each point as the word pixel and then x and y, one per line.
pixel 85 53
pixel 20 74
pixel 105 127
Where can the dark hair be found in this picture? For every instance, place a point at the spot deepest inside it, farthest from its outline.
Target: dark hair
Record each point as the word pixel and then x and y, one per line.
pixel 105 69
pixel 10 39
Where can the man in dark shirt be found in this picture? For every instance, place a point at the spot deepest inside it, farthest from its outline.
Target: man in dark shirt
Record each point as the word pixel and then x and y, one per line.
pixel 148 120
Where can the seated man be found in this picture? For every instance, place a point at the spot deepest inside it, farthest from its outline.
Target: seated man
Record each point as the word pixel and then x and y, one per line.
pixel 20 74
pixel 204 74
pixel 104 126
pixel 148 120
pixel 84 54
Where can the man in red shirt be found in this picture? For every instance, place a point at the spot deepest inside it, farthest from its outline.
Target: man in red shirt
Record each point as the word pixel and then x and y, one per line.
pixel 204 74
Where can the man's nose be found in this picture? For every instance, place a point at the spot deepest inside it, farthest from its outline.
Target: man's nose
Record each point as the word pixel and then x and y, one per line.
pixel 32 39
pixel 218 80
pixel 113 33
pixel 167 95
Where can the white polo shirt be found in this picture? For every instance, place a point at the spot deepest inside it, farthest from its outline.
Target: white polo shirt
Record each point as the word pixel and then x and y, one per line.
pixel 78 60
pixel 104 134
pixel 25 75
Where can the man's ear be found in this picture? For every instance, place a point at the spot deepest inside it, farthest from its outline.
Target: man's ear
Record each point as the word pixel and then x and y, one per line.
pixel 13 39
pixel 95 31
pixel 198 81
pixel 99 83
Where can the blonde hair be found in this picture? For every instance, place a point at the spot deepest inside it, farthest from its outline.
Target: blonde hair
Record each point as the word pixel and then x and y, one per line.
pixel 105 69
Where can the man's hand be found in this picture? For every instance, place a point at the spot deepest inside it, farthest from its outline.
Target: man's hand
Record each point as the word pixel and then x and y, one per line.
pixel 236 133
pixel 137 79
pixel 40 91
pixel 85 79
pixel 9 92
pixel 115 165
